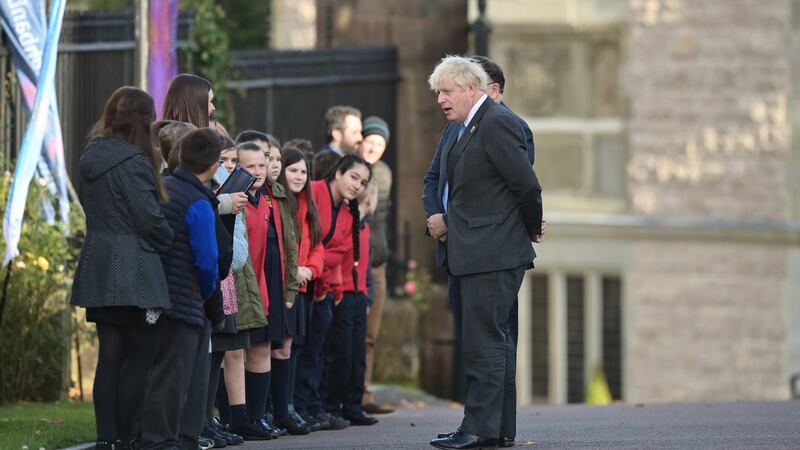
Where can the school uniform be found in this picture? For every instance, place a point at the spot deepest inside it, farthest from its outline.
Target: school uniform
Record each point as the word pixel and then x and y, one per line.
pixel 311 256
pixel 335 222
pixel 307 256
pixel 268 253
pixel 170 417
pixel 348 334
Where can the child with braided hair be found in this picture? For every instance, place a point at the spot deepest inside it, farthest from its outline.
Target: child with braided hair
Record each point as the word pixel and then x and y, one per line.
pixel 346 362
pixel 348 351
pixel 332 196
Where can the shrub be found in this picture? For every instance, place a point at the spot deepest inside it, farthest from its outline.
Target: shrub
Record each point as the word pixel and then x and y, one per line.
pixel 35 325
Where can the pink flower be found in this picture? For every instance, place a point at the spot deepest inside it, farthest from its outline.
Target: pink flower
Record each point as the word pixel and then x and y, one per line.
pixel 412 264
pixel 410 287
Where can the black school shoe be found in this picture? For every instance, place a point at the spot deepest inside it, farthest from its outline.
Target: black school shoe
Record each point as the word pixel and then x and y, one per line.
pixel 315 423
pixel 216 439
pixel 334 422
pixel 361 419
pixel 252 431
pixel 294 424
pixel 230 438
pixel 222 430
pixel 204 444
pixel 270 422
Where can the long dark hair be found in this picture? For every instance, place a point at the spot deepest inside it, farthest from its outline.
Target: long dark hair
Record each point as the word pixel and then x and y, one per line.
pixel 187 100
pixel 128 115
pixel 346 163
pixel 289 156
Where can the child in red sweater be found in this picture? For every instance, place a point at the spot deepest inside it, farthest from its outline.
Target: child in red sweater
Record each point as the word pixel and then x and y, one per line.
pixel 348 345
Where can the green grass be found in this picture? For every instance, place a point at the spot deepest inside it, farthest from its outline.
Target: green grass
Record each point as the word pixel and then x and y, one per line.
pixel 48 425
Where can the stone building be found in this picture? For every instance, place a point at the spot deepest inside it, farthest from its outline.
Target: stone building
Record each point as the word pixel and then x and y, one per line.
pixel 664 133
pixel 669 151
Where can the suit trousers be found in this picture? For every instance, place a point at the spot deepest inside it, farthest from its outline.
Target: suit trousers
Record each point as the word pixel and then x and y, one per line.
pixel 374 326
pixel 454 298
pixel 489 352
pixel 174 403
pixel 347 356
pixel 311 359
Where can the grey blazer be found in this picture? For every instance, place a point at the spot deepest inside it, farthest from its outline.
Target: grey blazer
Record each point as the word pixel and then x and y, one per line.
pixel 494 203
pixel 125 230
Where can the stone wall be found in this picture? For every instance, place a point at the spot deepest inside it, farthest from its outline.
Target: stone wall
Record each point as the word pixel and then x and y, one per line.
pixel 706 322
pixel 708 84
pixel 709 138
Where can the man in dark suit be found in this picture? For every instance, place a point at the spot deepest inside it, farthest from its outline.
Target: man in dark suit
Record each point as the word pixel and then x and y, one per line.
pixel 432 197
pixel 492 211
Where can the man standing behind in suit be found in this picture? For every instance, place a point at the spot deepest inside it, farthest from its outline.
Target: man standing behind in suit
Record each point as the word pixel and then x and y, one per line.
pixel 493 211
pixel 495 89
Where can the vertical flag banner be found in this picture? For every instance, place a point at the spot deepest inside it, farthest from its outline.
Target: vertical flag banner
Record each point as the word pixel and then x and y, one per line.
pixel 162 59
pixel 23 22
pixel 31 148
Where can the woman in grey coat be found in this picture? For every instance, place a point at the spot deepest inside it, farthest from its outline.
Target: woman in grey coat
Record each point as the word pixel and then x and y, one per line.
pixel 119 279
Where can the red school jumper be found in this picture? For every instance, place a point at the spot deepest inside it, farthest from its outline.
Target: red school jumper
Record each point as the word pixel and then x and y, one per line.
pixel 339 242
pixel 363 263
pixel 313 258
pixel 257 218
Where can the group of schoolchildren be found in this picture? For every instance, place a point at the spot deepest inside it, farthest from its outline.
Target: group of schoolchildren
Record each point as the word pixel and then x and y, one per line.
pixel 254 302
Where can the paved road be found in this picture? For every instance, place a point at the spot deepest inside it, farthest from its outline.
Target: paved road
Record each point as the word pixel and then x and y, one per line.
pixel 745 425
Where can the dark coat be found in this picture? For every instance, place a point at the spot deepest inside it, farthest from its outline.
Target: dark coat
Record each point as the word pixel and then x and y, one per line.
pixel 436 175
pixel 495 205
pixel 378 222
pixel 126 231
pixel 529 145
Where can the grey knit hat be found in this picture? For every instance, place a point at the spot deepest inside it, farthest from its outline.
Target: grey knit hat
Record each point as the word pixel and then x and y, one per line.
pixel 375 125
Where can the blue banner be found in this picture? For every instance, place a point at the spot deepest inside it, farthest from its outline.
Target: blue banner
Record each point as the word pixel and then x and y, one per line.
pixel 23 22
pixel 20 19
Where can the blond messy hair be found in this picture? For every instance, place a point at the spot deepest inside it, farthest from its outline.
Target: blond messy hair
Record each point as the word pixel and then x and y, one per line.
pixel 463 71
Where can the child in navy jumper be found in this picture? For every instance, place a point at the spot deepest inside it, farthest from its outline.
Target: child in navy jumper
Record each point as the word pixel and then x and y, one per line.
pixel 181 362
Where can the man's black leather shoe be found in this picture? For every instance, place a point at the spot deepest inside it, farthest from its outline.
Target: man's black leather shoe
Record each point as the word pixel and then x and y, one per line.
pixel 444 435
pixel 505 442
pixel 462 440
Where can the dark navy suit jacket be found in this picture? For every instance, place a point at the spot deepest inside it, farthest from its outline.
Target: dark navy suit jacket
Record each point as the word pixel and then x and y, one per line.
pixel 434 182
pixel 435 178
pixel 529 145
